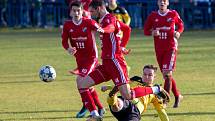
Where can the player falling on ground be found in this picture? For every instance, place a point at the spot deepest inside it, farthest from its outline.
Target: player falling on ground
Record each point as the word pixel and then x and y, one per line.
pixel 131 110
pixel 113 63
pixel 78 39
pixel 162 25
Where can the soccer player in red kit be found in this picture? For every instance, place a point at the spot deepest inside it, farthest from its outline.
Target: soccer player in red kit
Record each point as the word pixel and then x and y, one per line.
pixel 113 65
pixel 81 35
pixel 162 25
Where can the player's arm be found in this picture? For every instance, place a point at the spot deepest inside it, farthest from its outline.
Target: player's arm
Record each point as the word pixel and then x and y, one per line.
pixel 148 26
pixel 126 33
pixel 65 37
pixel 180 25
pixel 65 42
pixel 126 30
pixel 86 4
pixel 127 19
pixel 160 110
pixel 125 16
pixel 163 115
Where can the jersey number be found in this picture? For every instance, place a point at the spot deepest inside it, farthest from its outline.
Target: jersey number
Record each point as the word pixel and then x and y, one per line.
pixel 163 35
pixel 80 44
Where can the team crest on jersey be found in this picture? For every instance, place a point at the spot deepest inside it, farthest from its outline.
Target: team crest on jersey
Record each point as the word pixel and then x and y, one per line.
pixel 84 29
pixel 84 70
pixel 156 20
pixel 71 30
pixel 169 20
pixel 164 66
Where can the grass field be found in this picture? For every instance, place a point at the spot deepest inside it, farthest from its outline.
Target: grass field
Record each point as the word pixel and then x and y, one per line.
pixel 23 97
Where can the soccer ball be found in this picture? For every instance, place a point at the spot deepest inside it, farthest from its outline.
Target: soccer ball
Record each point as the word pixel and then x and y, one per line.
pixel 47 73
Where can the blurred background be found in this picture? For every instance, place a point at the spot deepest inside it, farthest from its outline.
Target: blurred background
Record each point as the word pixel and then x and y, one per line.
pixel 196 14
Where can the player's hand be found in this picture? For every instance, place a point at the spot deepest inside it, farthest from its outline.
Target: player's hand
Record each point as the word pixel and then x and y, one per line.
pixel 100 30
pixel 74 71
pixel 177 35
pixel 72 50
pixel 156 32
pixel 125 51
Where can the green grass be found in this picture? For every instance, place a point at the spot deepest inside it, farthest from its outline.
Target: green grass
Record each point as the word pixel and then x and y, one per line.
pixel 24 97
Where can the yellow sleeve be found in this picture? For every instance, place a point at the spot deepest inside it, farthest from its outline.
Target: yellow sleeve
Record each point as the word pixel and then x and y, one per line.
pixel 160 109
pixel 126 18
pixel 163 115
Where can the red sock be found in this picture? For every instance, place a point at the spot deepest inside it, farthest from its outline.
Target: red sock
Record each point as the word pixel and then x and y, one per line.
pixel 87 99
pixel 168 84
pixel 141 91
pixel 96 98
pixel 174 88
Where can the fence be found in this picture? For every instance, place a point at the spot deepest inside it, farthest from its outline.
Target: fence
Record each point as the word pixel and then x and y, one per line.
pixel 196 15
pixel 45 13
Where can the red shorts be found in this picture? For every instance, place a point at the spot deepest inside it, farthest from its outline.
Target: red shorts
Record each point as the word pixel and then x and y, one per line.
pixel 86 66
pixel 166 59
pixel 114 69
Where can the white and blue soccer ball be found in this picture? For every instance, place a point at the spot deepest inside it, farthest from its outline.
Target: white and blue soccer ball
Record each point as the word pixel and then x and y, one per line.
pixel 47 73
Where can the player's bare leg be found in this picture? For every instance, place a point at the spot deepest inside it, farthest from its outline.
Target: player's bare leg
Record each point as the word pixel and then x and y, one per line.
pixel 177 101
pixel 169 85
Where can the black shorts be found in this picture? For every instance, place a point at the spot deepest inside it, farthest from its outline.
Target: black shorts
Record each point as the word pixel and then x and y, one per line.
pixel 129 112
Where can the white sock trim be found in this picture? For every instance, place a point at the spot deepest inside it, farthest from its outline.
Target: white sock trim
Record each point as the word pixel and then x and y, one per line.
pixel 155 89
pixel 94 113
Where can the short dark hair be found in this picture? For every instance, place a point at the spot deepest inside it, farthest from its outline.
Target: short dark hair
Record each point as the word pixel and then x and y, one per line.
pixel 149 66
pixel 97 3
pixel 76 3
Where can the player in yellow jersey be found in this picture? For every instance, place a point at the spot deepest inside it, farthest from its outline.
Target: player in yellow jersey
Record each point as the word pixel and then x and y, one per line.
pixel 131 110
pixel 120 12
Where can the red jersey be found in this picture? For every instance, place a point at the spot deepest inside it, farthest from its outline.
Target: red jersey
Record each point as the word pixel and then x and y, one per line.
pixel 110 41
pixel 82 37
pixel 166 24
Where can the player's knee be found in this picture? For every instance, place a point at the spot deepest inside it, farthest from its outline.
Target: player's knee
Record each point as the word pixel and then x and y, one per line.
pixel 167 75
pixel 79 85
pixel 85 82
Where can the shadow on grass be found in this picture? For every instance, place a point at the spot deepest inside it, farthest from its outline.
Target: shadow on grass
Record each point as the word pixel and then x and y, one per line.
pixel 184 114
pixel 49 111
pixel 13 119
pixel 35 118
pixel 105 117
pixel 202 93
